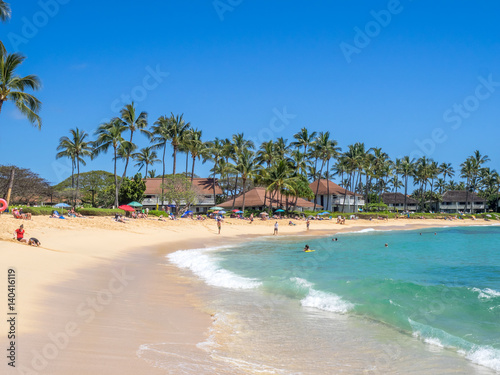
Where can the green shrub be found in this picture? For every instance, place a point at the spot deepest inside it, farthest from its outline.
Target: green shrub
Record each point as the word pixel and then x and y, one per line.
pixel 99 211
pixel 35 211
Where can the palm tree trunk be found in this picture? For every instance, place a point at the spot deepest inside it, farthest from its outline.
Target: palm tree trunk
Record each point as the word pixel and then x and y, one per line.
pixel 213 183
pixel 244 183
pixel 327 185
pixel 187 163
pixel 466 196
pixel 406 190
pixel 77 178
pixel 317 187
pixel 116 183
pixel 175 158
pixel 345 192
pixel 163 175
pixel 234 194
pixel 192 170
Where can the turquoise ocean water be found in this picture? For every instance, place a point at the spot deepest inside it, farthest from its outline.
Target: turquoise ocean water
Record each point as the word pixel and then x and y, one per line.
pixel 428 303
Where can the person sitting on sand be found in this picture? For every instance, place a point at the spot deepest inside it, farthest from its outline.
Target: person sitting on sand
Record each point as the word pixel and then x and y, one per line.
pixel 19 234
pixel 306 248
pixel 34 242
pixel 291 222
pixel 161 218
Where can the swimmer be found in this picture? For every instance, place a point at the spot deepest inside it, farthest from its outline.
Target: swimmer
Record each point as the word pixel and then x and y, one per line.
pixel 306 247
pixel 386 245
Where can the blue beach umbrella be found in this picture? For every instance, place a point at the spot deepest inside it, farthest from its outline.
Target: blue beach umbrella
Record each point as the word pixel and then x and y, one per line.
pixel 222 212
pixel 280 210
pixel 238 212
pixel 62 205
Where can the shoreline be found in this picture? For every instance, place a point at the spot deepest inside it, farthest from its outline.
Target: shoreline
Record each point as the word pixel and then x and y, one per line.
pixel 157 304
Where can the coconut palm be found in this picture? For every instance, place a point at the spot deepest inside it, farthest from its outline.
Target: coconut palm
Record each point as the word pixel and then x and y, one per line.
pixel 78 148
pixel 247 167
pixel 145 157
pixel 12 87
pixel 446 170
pixel 110 135
pixel 304 139
pixel 4 11
pixel 133 122
pixel 196 147
pixel 160 136
pixel 176 129
pixel 407 169
pixel 214 153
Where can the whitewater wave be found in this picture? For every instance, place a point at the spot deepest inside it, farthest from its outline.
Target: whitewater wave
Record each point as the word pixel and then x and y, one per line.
pixel 482 355
pixel 321 300
pixel 206 267
pixel 486 293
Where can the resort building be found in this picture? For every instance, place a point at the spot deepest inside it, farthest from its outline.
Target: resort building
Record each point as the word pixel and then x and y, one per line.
pixel 396 202
pixel 202 186
pixel 453 201
pixel 258 199
pixel 340 199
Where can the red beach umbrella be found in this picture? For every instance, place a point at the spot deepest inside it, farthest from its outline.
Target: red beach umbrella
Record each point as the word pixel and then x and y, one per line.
pixel 126 207
pixel 235 210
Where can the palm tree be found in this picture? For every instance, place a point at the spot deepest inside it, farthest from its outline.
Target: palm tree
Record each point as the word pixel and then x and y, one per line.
pixel 12 87
pixel 304 139
pixel 215 153
pixel 467 170
pixel 176 129
pixel 78 148
pixel 235 148
pixel 152 173
pixel 110 134
pixel 160 136
pixel 247 167
pixel 132 122
pixel 196 147
pixel 4 11
pixel 446 170
pixel 146 157
pixel 407 169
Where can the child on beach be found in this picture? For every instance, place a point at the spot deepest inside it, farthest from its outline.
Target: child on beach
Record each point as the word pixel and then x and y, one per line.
pixel 19 234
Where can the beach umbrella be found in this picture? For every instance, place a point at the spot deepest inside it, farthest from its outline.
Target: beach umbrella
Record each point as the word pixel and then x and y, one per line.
pixel 216 208
pixel 135 204
pixel 264 213
pixel 222 212
pixel 235 210
pixel 280 210
pixel 62 205
pixel 238 212
pixel 125 207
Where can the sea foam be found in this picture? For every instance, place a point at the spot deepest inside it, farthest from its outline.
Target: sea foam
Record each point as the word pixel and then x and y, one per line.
pixel 321 300
pixel 486 293
pixel 206 267
pixel 482 355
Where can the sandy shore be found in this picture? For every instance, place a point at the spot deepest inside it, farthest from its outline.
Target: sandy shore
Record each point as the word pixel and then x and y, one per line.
pixel 96 290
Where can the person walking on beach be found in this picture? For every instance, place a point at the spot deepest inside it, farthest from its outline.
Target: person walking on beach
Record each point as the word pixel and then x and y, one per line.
pixel 219 224
pixel 307 223
pixel 275 229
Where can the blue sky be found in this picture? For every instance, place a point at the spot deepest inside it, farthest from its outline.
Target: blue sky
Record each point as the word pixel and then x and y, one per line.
pixel 413 77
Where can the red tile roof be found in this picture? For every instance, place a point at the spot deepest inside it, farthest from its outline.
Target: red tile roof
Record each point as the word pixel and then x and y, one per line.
pixel 334 188
pixel 202 185
pixel 255 198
